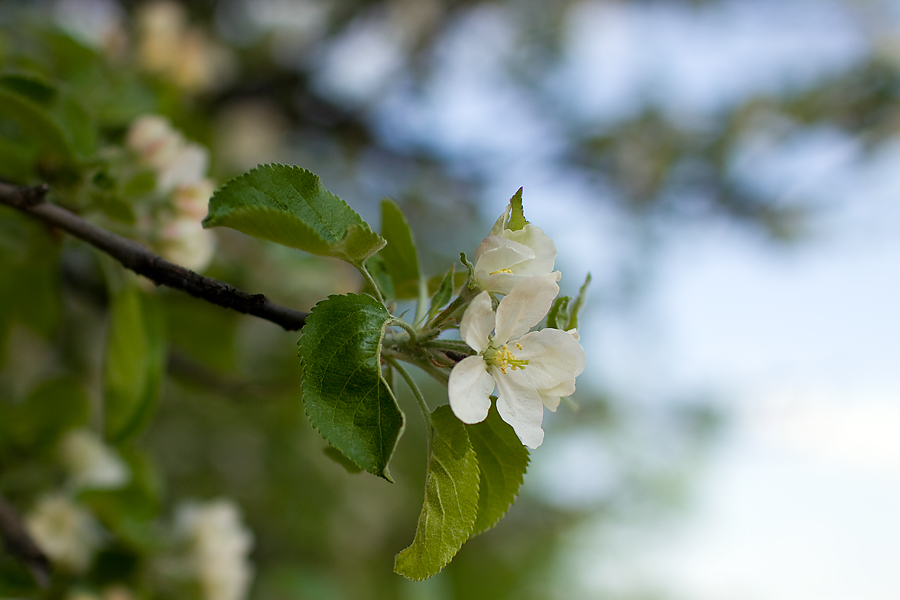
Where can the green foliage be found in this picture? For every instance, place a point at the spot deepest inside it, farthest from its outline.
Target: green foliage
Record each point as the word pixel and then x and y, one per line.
pixel 399 254
pixel 51 409
pixel 558 316
pixel 502 461
pixel 517 217
pixel 344 391
pixel 443 294
pixel 288 205
pixel 135 358
pixel 450 507
pixel 56 120
pixel 579 303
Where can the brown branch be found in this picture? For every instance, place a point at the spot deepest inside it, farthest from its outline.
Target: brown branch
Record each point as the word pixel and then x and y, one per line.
pixel 142 261
pixel 20 544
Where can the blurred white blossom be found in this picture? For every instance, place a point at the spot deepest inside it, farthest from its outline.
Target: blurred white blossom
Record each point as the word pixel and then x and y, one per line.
pixel 171 48
pixel 180 167
pixel 91 463
pixel 218 548
pixel 65 531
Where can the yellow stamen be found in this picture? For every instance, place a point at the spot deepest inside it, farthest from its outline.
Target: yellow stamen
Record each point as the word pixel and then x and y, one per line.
pixel 503 359
pixel 501 271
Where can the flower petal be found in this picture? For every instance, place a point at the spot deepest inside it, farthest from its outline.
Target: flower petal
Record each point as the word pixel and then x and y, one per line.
pixel 550 401
pixel 554 358
pixel 524 307
pixel 470 388
pixel 495 253
pixel 477 323
pixel 540 243
pixel 520 406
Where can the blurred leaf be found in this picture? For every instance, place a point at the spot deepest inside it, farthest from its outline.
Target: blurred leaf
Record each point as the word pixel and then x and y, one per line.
pixel 135 358
pixel 30 85
pixel 344 392
pixel 558 317
pixel 572 322
pixel 288 205
pixel 51 409
pixel 400 252
pixel 130 509
pixel 443 294
pixel 142 183
pixel 451 499
pixel 377 268
pixel 17 158
pixel 502 461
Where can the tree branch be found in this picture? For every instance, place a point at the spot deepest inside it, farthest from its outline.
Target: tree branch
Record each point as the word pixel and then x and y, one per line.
pixel 20 544
pixel 142 261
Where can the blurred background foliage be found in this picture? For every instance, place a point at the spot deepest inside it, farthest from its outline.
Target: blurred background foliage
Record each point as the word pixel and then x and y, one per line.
pixel 347 89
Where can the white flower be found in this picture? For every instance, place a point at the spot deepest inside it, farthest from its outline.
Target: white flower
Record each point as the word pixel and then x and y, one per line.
pixel 184 242
pixel 529 370
pixel 164 149
pixel 192 200
pixel 68 533
pixel 506 257
pixel 219 544
pixel 91 463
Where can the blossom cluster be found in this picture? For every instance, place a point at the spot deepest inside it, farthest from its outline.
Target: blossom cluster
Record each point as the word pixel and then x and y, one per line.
pixel 218 548
pixel 528 369
pixel 180 168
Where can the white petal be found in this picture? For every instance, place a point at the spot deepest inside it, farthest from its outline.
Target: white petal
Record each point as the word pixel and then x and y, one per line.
pixel 495 253
pixel 524 307
pixel 549 400
pixel 503 283
pixel 470 388
pixel 478 322
pixel 539 242
pixel 500 225
pixel 554 358
pixel 520 406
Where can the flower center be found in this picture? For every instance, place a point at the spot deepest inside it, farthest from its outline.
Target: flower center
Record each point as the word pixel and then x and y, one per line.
pixel 503 359
pixel 501 271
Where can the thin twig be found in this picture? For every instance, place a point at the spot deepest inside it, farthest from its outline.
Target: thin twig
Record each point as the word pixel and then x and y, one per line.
pixel 20 544
pixel 142 261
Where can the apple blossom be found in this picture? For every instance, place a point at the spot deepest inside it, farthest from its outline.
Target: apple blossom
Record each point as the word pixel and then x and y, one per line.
pixel 67 532
pixel 528 370
pixel 507 256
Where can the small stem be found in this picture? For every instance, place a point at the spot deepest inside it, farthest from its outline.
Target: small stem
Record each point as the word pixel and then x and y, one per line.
pixel 413 334
pixel 453 345
pixel 421 308
pixel 371 280
pixel 416 392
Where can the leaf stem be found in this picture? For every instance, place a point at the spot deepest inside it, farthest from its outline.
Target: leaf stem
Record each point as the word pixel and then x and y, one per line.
pixel 371 280
pixel 416 392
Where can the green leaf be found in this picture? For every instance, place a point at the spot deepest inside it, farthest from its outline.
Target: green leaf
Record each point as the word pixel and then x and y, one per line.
pixel 50 409
pixel 558 317
pixel 451 499
pixel 517 218
pixel 400 253
pixel 31 85
pixel 579 304
pixel 377 268
pixel 502 460
pixel 288 205
pixel 344 392
pixel 443 294
pixel 135 357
